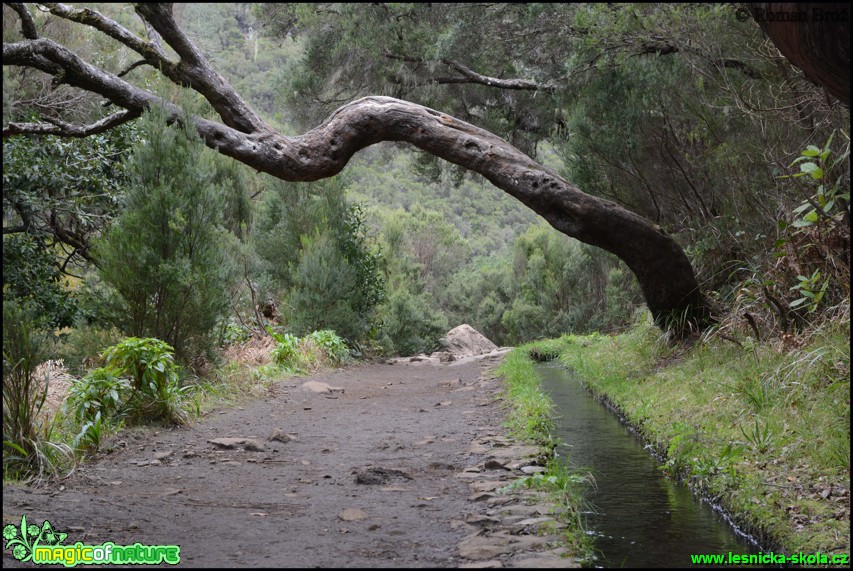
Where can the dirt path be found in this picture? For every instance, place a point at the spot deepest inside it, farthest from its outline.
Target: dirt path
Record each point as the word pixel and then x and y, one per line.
pixel 380 475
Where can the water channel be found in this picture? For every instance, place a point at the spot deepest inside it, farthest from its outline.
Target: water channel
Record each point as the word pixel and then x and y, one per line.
pixel 639 517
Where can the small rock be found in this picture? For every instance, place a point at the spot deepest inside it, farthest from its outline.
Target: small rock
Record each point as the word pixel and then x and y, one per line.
pixel 253 445
pixel 279 436
pixel 375 476
pixel 494 465
pixel 481 520
pixel 352 514
pixel 444 356
pixel 532 469
pixel 227 443
pixel 317 387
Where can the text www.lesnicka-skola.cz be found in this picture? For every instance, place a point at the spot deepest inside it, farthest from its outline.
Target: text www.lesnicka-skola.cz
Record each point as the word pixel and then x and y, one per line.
pixel 771 558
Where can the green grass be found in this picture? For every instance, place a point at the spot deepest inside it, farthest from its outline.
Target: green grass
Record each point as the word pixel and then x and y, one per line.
pixel 531 419
pixel 530 415
pixel 763 432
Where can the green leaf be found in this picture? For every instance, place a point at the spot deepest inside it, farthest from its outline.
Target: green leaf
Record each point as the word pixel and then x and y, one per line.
pixel 828 143
pixel 15 446
pixel 811 151
pixel 802 208
pixel 797 302
pixel 813 169
pixel 811 216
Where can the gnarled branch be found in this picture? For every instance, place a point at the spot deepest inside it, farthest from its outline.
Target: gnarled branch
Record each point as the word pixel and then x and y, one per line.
pixel 28 25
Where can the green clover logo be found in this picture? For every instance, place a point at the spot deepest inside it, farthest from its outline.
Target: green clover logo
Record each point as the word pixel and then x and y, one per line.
pixel 31 536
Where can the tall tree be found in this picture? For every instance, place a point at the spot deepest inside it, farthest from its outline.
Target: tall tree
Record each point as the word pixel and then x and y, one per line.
pixel 661 266
pixel 165 256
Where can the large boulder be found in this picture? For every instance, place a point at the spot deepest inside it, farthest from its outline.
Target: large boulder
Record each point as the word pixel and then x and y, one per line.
pixel 465 341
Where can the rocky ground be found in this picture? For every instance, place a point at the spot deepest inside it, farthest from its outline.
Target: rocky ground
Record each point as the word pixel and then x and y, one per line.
pixel 381 465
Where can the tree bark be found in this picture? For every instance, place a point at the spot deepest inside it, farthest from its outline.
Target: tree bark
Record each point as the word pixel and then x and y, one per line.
pixel 661 266
pixel 813 37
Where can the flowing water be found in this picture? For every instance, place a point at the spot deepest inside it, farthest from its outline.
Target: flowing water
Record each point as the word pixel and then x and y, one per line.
pixel 639 517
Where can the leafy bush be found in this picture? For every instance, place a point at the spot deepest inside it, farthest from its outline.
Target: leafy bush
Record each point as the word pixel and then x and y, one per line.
pixel 333 345
pixel 286 353
pixel 99 393
pixel 150 364
pixel 309 352
pixel 139 383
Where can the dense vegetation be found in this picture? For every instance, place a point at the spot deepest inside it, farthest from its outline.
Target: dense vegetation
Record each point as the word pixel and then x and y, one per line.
pixel 141 258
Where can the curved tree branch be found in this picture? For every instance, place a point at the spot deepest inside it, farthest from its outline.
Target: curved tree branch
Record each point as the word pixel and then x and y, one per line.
pixel 195 71
pixel 28 25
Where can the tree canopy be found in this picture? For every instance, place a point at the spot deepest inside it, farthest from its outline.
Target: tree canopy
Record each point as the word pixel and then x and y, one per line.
pixel 545 61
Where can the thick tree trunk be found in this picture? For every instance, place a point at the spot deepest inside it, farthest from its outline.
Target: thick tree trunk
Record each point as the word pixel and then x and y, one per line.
pixel 814 37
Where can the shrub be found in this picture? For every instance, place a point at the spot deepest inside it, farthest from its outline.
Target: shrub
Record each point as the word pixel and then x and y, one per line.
pixel 100 392
pixel 331 344
pixel 150 364
pixel 311 351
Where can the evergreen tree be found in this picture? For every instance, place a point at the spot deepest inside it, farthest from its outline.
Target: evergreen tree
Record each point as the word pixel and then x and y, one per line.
pixel 164 257
pixel 320 259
